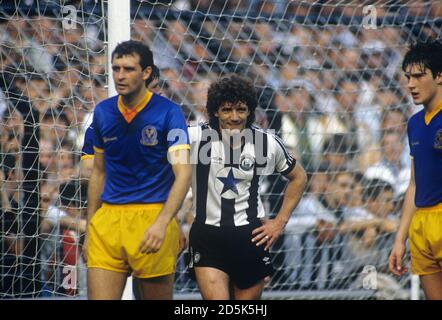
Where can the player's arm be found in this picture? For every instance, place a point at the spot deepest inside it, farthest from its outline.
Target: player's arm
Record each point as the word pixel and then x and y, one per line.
pixel 274 227
pixel 398 251
pixel 182 170
pixel 86 166
pixel 95 189
pixel 96 185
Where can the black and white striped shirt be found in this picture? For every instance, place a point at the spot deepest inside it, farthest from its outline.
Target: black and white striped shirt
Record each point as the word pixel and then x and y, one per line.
pixel 225 181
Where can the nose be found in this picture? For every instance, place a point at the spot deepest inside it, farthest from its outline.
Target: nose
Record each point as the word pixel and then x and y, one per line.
pixel 411 83
pixel 235 115
pixel 119 74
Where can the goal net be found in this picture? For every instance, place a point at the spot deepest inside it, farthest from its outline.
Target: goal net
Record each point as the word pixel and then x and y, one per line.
pixel 329 82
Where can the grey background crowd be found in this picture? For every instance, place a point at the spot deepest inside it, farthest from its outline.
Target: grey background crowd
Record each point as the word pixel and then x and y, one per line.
pixel 329 85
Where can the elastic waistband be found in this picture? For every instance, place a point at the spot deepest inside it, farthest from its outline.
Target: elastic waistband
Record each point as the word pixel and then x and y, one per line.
pixel 252 225
pixel 133 206
pixel 437 207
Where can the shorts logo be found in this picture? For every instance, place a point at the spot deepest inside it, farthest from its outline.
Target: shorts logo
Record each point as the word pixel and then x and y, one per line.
pixel 247 162
pixel 266 260
pixel 196 257
pixel 438 139
pixel 149 136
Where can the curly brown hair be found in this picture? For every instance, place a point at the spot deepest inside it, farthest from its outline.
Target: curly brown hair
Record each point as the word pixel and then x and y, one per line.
pixel 231 88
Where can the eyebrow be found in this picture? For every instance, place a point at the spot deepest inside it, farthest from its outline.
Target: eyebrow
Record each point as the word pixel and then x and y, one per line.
pixel 414 73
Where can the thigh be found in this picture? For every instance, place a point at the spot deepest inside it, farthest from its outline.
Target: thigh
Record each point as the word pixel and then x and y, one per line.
pixel 424 238
pixel 105 284
pixel 213 283
pixel 104 241
pixel 147 266
pixel 157 288
pixel 252 293
pixel 207 248
pixel 249 264
pixel 432 285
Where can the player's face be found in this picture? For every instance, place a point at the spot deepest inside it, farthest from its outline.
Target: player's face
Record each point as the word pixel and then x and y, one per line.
pixel 128 76
pixel 423 87
pixel 232 116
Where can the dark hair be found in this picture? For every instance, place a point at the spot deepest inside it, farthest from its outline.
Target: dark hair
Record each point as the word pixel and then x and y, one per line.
pixel 231 88
pixel 425 55
pixel 73 194
pixel 132 47
pixel 348 78
pixel 374 187
pixel 154 75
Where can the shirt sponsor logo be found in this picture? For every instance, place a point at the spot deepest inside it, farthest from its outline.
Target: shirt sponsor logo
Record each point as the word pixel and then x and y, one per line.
pixel 106 139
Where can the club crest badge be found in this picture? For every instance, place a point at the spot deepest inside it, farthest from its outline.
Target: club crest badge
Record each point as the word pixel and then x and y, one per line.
pixel 149 136
pixel 438 140
pixel 247 162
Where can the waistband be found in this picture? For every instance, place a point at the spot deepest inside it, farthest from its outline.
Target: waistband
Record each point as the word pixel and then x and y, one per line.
pixel 134 206
pixel 437 207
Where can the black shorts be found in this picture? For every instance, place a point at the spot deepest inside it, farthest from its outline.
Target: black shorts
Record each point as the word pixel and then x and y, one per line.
pixel 231 250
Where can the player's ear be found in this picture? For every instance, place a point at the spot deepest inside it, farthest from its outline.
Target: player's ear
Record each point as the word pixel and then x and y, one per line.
pixel 439 78
pixel 147 72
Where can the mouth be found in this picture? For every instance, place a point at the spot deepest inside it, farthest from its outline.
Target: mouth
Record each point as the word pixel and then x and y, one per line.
pixel 415 95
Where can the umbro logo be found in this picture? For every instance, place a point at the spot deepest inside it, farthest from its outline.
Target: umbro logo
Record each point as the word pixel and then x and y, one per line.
pixel 266 260
pixel 106 139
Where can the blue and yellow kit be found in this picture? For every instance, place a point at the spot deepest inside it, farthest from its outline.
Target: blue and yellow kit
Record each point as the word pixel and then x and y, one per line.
pixel 138 178
pixel 88 145
pixel 425 234
pixel 135 145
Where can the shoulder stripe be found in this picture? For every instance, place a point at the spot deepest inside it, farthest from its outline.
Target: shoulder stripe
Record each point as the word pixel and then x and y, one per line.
pixel 179 147
pixel 87 156
pixel 284 149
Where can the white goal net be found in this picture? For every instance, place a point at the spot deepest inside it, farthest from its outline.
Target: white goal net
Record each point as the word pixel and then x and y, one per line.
pixel 330 83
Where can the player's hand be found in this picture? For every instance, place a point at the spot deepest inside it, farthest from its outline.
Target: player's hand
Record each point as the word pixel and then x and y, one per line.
pixel 396 259
pixel 268 233
pixel 183 240
pixel 153 238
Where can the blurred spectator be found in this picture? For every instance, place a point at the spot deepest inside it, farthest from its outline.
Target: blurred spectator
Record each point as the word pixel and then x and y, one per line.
pixel 337 152
pixel 63 224
pixel 315 247
pixel 391 168
pixel 369 234
pixel 302 126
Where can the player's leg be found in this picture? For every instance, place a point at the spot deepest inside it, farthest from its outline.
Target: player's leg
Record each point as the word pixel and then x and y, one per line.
pixel 252 293
pixel 105 284
pixel 432 285
pixel 157 288
pixel 213 283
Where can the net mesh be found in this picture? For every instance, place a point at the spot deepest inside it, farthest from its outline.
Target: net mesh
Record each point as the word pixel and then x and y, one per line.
pixel 329 82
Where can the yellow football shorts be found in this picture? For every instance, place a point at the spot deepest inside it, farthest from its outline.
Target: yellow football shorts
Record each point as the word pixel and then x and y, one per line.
pixel 115 233
pixel 425 239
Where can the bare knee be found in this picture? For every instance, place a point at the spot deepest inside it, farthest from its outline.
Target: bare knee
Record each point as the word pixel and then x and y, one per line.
pixel 157 288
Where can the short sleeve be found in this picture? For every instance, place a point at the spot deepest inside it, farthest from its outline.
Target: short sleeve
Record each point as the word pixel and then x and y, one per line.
pixel 284 162
pixel 88 145
pixel 96 133
pixel 409 140
pixel 178 136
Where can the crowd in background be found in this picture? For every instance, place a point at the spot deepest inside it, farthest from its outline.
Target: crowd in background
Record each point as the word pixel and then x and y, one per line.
pixel 333 92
